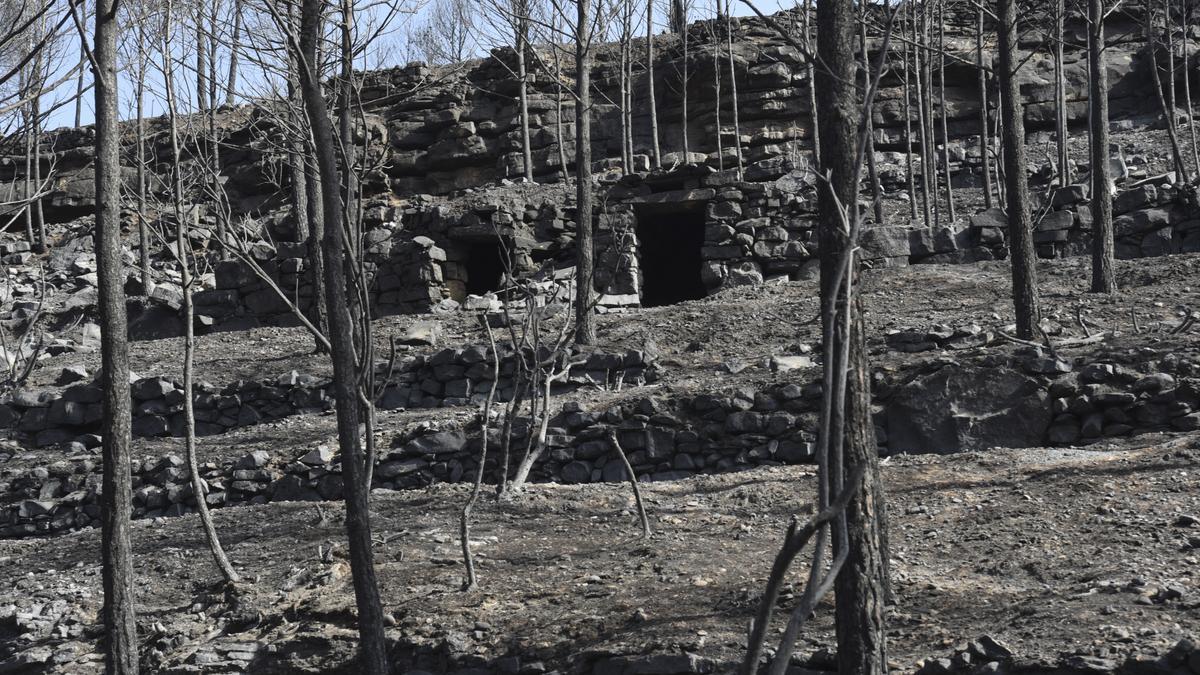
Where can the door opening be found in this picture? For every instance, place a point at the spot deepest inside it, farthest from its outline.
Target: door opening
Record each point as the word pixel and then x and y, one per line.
pixel 670 257
pixel 484 267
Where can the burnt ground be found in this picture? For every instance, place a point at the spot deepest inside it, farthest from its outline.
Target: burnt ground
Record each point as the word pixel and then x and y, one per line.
pixel 1052 551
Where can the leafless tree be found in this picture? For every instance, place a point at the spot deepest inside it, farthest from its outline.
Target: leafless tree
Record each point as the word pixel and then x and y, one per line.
pixel 509 21
pixel 1060 94
pixel 373 656
pixel 1185 21
pixel 447 34
pixel 1104 278
pixel 1020 225
pixel 1166 96
pixel 656 150
pixel 121 645
pixel 850 507
pixel 185 259
pixel 985 141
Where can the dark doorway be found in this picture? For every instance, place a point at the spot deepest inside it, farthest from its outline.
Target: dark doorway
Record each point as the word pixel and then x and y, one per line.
pixel 670 243
pixel 484 267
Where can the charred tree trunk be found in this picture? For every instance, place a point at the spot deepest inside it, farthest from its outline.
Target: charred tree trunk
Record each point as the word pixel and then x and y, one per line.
pixel 985 139
pixel 872 167
pixel 654 144
pixel 927 104
pixel 373 656
pixel 1020 225
pixel 1103 276
pixel 585 318
pixel 82 70
pixel 908 139
pixel 35 131
pixel 523 96
pixel 811 72
pixel 1165 103
pixel 234 48
pixel 1185 19
pixel 716 62
pixel 297 162
pixel 944 113
pixel 1060 96
pixel 121 645
pixel 307 193
pixel 733 90
pixel 683 84
pixel 923 140
pixel 202 101
pixel 860 586
pixel 183 251
pixel 147 282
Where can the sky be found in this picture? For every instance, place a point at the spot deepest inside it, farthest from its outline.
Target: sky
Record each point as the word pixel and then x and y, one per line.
pixel 392 51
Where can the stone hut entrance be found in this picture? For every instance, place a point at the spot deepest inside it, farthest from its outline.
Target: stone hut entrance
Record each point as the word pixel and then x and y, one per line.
pixel 483 265
pixel 670 239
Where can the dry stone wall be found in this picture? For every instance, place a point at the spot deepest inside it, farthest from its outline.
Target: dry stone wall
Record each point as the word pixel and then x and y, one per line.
pixel 943 407
pixel 449 377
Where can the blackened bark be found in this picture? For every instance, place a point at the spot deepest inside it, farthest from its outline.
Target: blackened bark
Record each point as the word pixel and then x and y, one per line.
pixel 143 226
pixel 234 48
pixel 872 167
pixel 733 87
pixel 923 139
pixel 1060 96
pixel 950 214
pixel 585 318
pixel 1020 224
pixel 860 587
pixel 373 655
pixel 654 144
pixel 1166 100
pixel 120 627
pixel 1103 276
pixel 985 140
pixel 183 250
pixel 523 89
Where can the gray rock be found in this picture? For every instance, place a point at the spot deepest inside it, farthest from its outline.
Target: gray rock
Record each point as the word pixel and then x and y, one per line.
pixel 71 374
pixel 439 443
pixel 253 460
pixel 1190 422
pixel 1131 200
pixel 421 333
pixel 1041 365
pixel 31 508
pixel 993 219
pixel 577 472
pixel 1064 431
pixel 394 468
pixel 1056 221
pixel 150 425
pixel 967 408
pixel 1069 196
pixel 1093 426
pixel 1154 383
pixel 319 456
pixel 786 364
pixel 152 388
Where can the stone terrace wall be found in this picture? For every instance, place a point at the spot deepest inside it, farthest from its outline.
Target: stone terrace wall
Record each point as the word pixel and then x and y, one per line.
pixel 450 377
pixel 1052 401
pixel 1155 216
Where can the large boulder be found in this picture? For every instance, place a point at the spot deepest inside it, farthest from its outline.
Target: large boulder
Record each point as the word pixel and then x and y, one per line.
pixel 957 409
